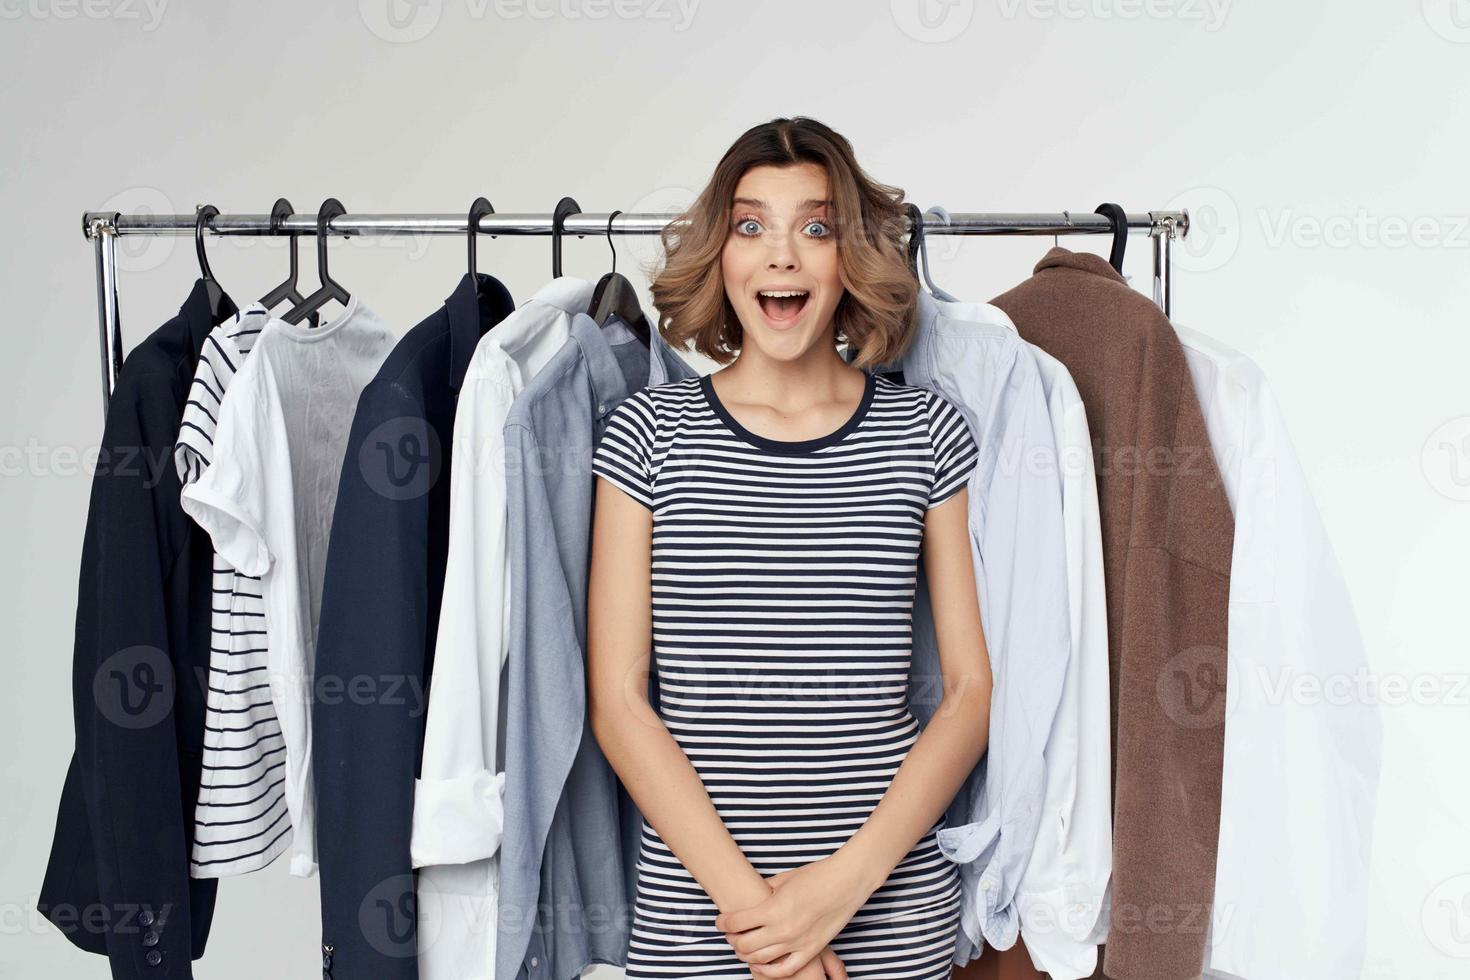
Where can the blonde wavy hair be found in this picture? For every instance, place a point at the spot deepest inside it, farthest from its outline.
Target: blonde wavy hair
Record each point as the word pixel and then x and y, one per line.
pixel 875 313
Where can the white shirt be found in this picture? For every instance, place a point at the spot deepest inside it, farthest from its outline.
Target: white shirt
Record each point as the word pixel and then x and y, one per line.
pixel 267 500
pixel 1302 748
pixel 241 822
pixel 1017 543
pixel 1061 897
pixel 457 816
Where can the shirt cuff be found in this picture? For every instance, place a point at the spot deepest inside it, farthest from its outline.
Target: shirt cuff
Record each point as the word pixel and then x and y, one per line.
pixel 457 820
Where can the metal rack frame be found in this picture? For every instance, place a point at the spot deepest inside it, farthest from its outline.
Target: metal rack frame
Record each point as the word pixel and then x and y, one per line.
pixel 103 228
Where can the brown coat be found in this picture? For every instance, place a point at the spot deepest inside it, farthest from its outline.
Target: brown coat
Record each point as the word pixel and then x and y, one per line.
pixel 1167 536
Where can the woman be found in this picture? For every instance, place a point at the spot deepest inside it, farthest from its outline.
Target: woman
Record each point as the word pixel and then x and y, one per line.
pixel 760 528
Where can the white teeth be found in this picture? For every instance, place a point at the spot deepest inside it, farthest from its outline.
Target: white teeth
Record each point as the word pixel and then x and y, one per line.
pixel 776 293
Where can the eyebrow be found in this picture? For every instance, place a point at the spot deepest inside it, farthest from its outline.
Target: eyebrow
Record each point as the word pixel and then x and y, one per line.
pixel 811 202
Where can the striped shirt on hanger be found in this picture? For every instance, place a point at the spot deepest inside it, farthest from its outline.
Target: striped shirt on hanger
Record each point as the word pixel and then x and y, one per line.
pixel 240 820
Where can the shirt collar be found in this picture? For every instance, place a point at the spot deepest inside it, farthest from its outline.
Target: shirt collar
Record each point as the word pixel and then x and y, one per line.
pixel 477 304
pixel 195 312
pixel 1061 258
pixel 609 385
pixel 914 361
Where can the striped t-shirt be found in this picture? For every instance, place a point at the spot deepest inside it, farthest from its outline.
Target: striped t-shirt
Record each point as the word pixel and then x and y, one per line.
pixel 240 820
pixel 783 576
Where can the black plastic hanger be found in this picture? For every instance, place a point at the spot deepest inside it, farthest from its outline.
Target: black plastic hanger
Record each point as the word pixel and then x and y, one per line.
pixel 330 289
pixel 213 290
pixel 1118 218
pixel 478 210
pixel 564 209
pixel 615 296
pixel 916 236
pixel 287 290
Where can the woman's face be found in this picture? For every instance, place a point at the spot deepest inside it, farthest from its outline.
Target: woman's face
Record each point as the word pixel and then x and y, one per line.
pixel 780 259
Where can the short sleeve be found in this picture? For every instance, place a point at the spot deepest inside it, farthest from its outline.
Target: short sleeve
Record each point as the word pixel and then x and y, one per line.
pixel 624 454
pixel 231 498
pixel 955 451
pixel 218 362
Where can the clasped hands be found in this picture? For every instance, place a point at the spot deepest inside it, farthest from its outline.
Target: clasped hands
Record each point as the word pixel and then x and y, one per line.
pixel 787 934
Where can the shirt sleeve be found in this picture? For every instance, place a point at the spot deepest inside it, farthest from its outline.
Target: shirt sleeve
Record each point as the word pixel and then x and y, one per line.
pixel 457 799
pixel 955 451
pixel 624 454
pixel 230 498
pixel 218 362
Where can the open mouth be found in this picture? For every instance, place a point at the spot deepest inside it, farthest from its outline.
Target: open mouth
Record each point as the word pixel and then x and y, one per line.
pixel 782 305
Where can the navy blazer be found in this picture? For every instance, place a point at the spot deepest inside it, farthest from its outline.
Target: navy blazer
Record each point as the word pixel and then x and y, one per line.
pixel 375 643
pixel 117 882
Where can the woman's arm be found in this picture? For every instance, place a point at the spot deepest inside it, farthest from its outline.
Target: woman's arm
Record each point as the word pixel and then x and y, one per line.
pixel 651 764
pixel 807 909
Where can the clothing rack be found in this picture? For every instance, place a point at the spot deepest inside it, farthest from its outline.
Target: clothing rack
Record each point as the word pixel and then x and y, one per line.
pixel 103 228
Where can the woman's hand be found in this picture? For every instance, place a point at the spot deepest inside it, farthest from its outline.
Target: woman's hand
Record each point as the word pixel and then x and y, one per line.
pixel 792 928
pixel 825 967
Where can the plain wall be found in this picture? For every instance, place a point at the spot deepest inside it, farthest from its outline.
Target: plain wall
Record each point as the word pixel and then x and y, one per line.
pixel 1321 148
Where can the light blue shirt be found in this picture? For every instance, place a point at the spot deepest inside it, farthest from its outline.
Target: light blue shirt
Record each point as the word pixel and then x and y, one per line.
pixel 1018 544
pixel 566 886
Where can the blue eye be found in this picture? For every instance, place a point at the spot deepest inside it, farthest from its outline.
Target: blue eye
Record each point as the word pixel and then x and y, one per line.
pixel 819 224
pixel 742 225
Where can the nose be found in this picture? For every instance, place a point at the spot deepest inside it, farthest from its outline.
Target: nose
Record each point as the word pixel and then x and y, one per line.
pixel 782 254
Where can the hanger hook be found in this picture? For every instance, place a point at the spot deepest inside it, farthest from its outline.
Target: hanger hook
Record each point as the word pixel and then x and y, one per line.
pixel 478 210
pixel 280 211
pixel 610 247
pixel 565 208
pixel 201 218
pixel 916 236
pixel 330 209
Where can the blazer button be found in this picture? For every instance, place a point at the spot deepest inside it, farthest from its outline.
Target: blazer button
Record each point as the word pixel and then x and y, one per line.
pixel 150 938
pixel 145 917
pixel 154 957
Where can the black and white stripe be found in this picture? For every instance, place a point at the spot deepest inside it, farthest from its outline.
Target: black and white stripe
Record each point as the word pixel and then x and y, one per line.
pixel 240 819
pixel 783 577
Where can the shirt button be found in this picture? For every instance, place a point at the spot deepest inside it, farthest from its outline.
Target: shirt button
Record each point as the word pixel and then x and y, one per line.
pixel 150 938
pixel 145 917
pixel 534 961
pixel 985 886
pixel 601 407
pixel 154 957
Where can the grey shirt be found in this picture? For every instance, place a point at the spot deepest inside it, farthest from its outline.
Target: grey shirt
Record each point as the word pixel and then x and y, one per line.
pixel 569 850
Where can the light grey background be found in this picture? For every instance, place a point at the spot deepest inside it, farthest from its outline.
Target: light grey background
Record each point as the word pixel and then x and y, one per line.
pixel 1321 147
